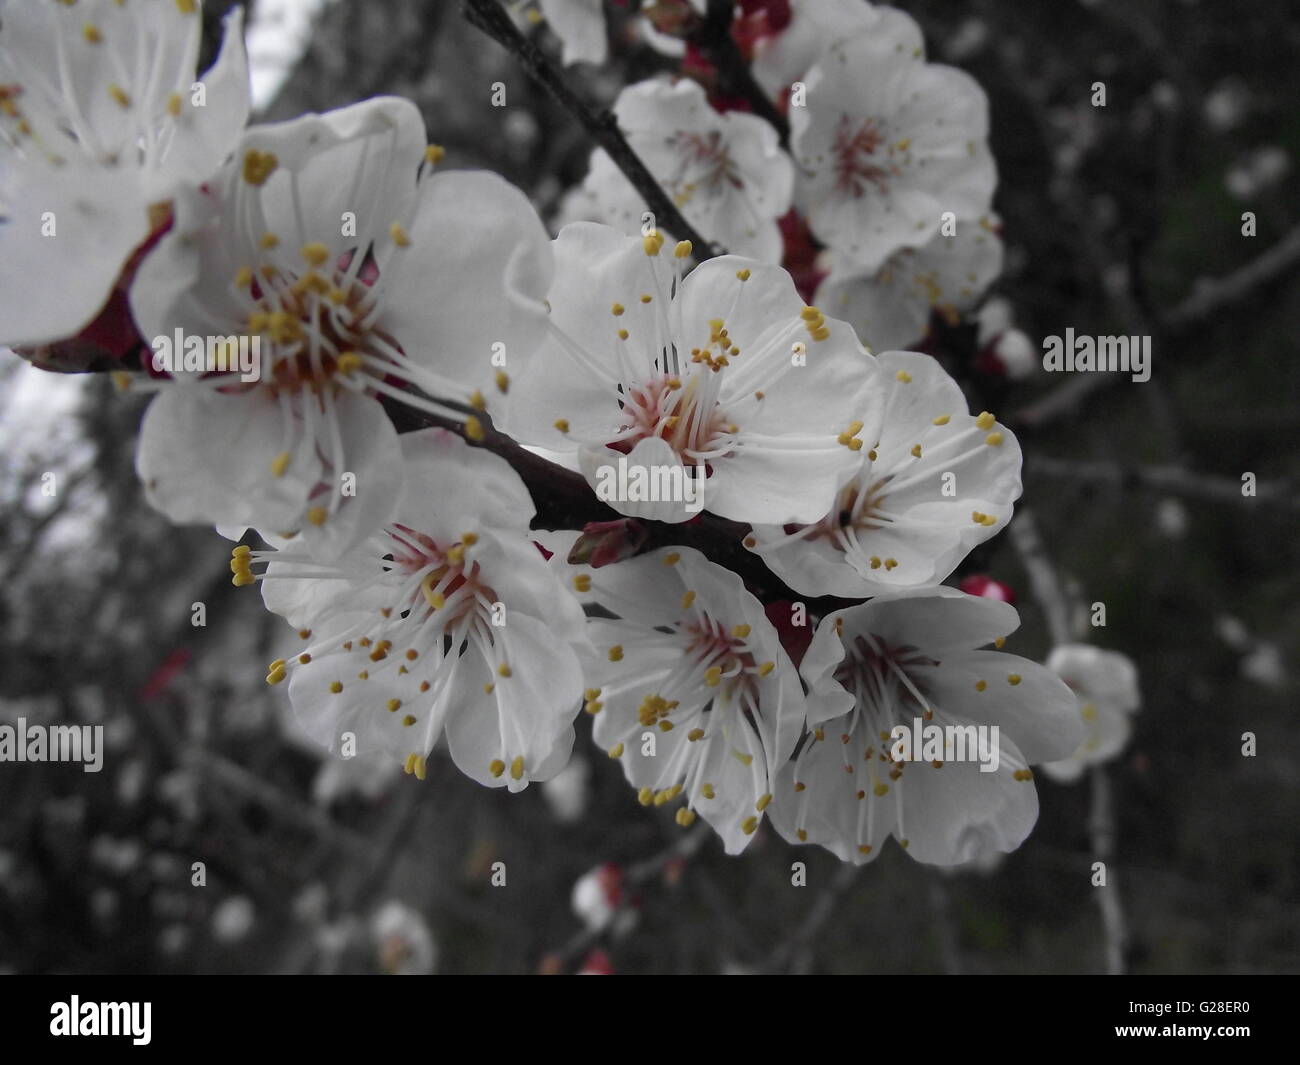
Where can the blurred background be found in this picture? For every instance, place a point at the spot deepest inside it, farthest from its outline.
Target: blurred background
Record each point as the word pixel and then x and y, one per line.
pixel 1125 219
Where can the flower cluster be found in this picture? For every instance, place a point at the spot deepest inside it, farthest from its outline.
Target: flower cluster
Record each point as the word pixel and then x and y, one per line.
pixel 752 434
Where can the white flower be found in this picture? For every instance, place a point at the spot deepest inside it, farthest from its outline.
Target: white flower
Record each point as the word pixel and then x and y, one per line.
pixel 725 374
pixel 908 655
pixel 935 482
pixel 1105 684
pixel 784 59
pixel 600 901
pixel 887 144
pixel 99 125
pixel 1004 348
pixel 725 172
pixel 447 621
pixel 566 793
pixel 693 671
pixel 403 942
pixel 580 25
pixel 355 277
pixel 890 306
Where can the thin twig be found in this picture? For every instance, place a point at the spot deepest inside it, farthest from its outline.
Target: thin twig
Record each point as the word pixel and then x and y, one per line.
pixel 684 847
pixel 1101 831
pixel 1211 295
pixel 490 17
pixel 819 913
pixel 1173 479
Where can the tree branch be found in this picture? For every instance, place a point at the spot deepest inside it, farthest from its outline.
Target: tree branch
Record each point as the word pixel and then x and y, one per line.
pixel 490 17
pixel 1173 479
pixel 714 40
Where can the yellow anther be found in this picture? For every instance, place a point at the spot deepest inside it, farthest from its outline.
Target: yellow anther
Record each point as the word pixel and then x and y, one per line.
pixel 315 253
pixel 880 789
pixel 616 751
pixel 434 154
pixel 349 363
pixel 280 463
pixel 121 380
pixel 682 250
pixel 766 668
pixel 695 734
pixel 488 689
pixel 799 785
pixel 743 275
pixel 394 705
pixel 864 848
pixel 740 631
pixel 810 314
pixel 985 421
pixel 424 685
pixel 1023 774
pixel 673 384
pixel 616 653
pixel 477 401
pixel 645 796
pixel 645 297
pixel 336 686
pixel 980 685
pixel 496 767
pixel 517 768
pixel 688 599
pixel 916 451
pixel 708 792
pixel 243 277
pixel 119 94
pixel 242 551
pixel 941 420
pixel 562 424
pixel 856 445
pixel 187 7
pixel 408 720
pixel 622 334
pixel 593 707
pixel 685 817
pixel 820 333
pixel 652 242
pixel 399 236
pixel 904 144
pixel 419 767
pixel 503 670
pixel 502 381
pixel 1000 642
pixel 672 558
pixel 761 805
pixel 258 166
pixel 903 376
pixel 456 554
pixel 1013 679
pixel 582 583
pixel 317 515
pixel 749 824
pixel 713 676
pixel 275 676
pixel 474 429
pixel 993 439
pixel 617 309
pixel 91 32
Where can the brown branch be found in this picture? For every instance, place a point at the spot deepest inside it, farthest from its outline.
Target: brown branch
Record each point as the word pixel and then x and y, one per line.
pixel 1173 479
pixel 714 40
pixel 490 17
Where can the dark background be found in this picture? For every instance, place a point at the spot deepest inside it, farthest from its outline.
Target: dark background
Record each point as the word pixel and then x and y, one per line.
pixel 1112 216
